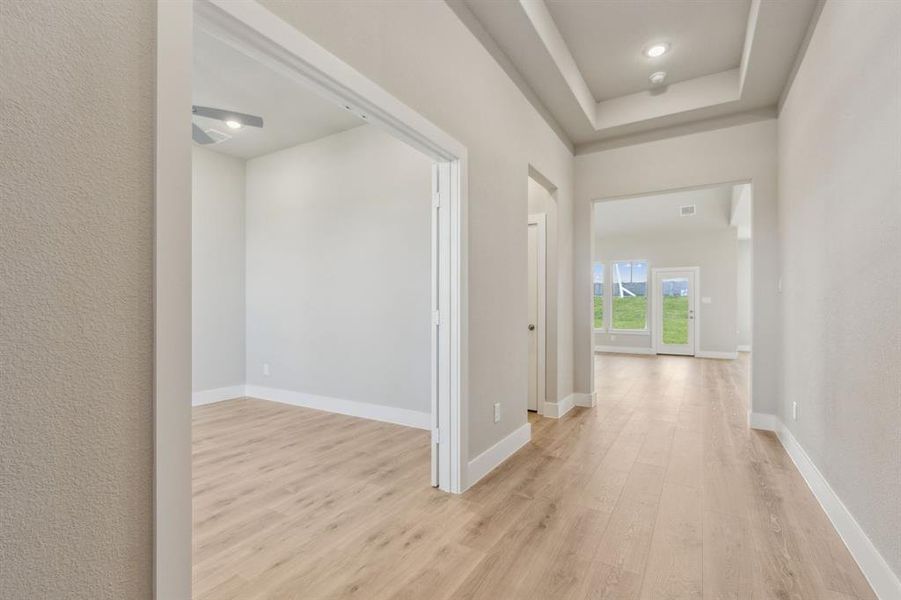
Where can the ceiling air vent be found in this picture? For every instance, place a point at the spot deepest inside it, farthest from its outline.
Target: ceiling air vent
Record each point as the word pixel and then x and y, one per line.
pixel 687 211
pixel 218 136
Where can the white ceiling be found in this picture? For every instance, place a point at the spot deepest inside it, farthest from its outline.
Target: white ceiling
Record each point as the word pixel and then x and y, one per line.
pixel 581 62
pixel 606 39
pixel 226 78
pixel 659 213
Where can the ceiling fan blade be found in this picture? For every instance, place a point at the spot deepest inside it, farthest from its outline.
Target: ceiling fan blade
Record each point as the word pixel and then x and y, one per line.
pixel 227 115
pixel 200 136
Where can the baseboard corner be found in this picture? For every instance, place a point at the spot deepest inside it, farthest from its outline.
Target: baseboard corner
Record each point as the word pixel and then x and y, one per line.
pixel 491 458
pixel 764 421
pixel 555 410
pixel 586 399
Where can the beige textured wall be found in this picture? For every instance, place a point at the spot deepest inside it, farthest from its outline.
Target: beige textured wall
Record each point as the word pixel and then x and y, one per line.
pixel 76 207
pixel 840 211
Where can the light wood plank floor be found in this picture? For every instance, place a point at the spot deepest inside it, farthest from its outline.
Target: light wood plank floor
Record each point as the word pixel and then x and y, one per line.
pixel 660 491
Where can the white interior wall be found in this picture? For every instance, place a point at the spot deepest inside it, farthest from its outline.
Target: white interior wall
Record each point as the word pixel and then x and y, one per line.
pixel 397 45
pixel 839 189
pixel 339 270
pixel 743 294
pixel 731 154
pixel 217 271
pixel 713 251
pixel 541 201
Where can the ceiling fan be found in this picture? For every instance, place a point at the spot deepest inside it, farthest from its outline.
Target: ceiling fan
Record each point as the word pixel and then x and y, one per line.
pixel 234 120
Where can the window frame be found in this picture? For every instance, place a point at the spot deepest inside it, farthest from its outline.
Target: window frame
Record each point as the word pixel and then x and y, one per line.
pixel 604 295
pixel 608 299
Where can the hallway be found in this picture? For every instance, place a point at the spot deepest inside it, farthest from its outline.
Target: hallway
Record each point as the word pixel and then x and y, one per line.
pixel 660 491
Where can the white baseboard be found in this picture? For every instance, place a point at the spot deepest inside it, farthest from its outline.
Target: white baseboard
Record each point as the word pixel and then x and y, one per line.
pixel 485 462
pixel 364 410
pixel 555 410
pixel 625 349
pixel 744 348
pixel 883 580
pixel 585 400
pixel 639 350
pixel 217 395
pixel 764 421
pixel 716 354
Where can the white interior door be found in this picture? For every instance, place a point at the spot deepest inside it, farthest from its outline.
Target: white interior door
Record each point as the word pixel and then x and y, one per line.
pixel 537 309
pixel 442 468
pixel 533 316
pixel 674 311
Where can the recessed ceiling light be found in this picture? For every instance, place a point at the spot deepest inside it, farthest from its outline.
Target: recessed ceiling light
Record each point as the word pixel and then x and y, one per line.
pixel 657 78
pixel 233 124
pixel 656 50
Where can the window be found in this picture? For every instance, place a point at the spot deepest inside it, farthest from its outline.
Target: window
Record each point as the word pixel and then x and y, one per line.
pixel 630 295
pixel 598 295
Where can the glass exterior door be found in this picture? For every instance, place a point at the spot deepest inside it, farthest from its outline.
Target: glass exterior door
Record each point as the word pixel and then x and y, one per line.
pixel 674 322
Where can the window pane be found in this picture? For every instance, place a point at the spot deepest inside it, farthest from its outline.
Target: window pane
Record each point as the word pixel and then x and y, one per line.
pixel 675 311
pixel 598 295
pixel 630 295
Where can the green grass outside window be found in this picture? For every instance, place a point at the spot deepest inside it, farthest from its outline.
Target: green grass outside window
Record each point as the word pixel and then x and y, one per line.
pixel 598 312
pixel 630 312
pixel 675 320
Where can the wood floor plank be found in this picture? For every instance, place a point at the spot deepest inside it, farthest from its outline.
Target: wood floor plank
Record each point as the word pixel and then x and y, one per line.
pixel 674 560
pixel 727 567
pixel 659 491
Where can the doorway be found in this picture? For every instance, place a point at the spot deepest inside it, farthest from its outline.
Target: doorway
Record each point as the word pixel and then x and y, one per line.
pixel 284 48
pixel 675 314
pixel 655 305
pixel 537 305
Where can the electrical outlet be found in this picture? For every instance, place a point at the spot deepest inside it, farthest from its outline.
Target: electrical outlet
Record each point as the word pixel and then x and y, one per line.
pixel 266 369
pixel 794 411
pixel 497 412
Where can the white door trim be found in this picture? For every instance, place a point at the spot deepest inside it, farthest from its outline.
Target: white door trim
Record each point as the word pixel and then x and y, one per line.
pixel 540 221
pixel 657 307
pixel 280 44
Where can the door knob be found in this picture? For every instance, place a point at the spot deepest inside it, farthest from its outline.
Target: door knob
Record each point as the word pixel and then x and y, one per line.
pixel 531 327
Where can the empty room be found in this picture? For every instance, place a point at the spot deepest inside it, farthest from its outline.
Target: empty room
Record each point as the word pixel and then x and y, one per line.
pixel 672 280
pixel 311 322
pixel 446 299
